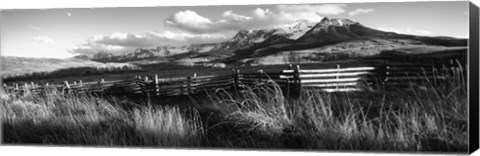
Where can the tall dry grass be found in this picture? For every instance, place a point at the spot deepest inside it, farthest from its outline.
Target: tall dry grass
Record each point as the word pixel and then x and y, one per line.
pixel 432 117
pixel 80 119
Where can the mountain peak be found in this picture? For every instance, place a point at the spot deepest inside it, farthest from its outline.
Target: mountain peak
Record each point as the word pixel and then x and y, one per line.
pixel 81 56
pixel 298 24
pixel 102 54
pixel 241 34
pixel 335 22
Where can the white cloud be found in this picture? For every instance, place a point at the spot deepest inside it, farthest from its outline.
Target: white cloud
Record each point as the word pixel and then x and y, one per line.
pixel 122 43
pixel 235 17
pixel 360 11
pixel 42 39
pixel 91 48
pixel 259 18
pixel 192 22
pixel 407 31
pixel 261 13
pixel 189 20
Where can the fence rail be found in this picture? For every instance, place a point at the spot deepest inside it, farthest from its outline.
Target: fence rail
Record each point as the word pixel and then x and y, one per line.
pixel 330 80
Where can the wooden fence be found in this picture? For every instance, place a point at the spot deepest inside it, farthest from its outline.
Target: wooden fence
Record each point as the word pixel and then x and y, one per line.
pixel 294 79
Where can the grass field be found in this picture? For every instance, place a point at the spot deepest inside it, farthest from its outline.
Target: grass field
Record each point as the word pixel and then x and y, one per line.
pixel 429 119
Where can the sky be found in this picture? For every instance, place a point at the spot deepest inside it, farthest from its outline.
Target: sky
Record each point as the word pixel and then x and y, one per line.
pixel 63 33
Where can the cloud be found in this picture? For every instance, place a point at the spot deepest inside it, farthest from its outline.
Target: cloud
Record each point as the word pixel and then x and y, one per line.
pixel 92 48
pixel 407 31
pixel 191 21
pixel 360 11
pixel 42 39
pixel 121 43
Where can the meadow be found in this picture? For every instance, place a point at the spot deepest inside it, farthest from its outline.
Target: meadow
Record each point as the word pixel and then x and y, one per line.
pixel 430 118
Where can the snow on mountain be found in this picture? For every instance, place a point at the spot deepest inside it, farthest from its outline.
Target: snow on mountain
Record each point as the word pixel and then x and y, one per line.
pixel 295 29
pixel 291 31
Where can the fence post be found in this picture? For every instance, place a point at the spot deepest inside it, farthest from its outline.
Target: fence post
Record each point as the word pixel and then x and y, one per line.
pixel 46 87
pixel 146 84
pixel 452 67
pixel 25 89
pixel 185 87
pixel 67 86
pixel 259 75
pixel 190 83
pixel 235 80
pixel 32 87
pixel 298 83
pixel 385 72
pixel 138 82
pixel 194 81
pixel 157 89
pixel 16 88
pixel 287 80
pixel 149 102
pixel 5 87
pixel 338 76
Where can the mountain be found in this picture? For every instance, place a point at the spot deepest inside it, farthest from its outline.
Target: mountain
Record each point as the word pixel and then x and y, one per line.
pixel 102 55
pixel 302 40
pixel 337 37
pixel 140 54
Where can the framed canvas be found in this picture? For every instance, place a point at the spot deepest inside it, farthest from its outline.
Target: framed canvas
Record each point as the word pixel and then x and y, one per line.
pixel 274 77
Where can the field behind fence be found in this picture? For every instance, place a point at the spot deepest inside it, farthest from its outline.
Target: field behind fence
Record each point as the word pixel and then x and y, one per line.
pixel 292 78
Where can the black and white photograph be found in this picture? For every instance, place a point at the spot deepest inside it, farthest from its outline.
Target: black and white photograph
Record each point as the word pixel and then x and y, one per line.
pixel 342 77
